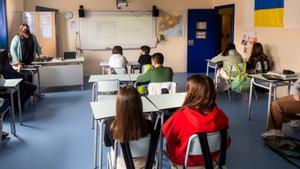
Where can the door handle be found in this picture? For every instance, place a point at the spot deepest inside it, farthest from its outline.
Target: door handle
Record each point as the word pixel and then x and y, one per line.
pixel 190 42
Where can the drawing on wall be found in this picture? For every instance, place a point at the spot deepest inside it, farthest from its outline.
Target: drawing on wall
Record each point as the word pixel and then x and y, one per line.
pixel 171 25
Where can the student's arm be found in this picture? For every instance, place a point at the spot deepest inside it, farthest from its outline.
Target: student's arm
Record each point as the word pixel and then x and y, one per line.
pixel 14 50
pixel 171 74
pixel 144 77
pixel 218 58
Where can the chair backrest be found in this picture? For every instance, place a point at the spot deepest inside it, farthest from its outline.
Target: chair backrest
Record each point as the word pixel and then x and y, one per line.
pixel 157 88
pixel 235 69
pixel 129 153
pixel 262 67
pixel 145 68
pixel 204 144
pixel 117 71
pixel 105 87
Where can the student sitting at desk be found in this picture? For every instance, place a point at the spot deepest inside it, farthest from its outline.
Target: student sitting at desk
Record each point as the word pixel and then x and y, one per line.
pixel 145 57
pixel 129 123
pixel 26 89
pixel 286 108
pixel 229 56
pixel 24 46
pixel 199 113
pixel 158 73
pixel 258 56
pixel 117 62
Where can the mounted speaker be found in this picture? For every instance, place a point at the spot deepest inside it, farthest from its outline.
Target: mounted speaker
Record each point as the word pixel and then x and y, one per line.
pixel 81 11
pixel 155 11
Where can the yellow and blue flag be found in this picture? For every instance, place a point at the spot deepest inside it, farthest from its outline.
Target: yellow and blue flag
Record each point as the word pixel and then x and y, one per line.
pixel 269 13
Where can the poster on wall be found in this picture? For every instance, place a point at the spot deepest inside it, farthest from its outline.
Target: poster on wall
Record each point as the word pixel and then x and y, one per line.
pixel 46 24
pixel 171 25
pixel 29 19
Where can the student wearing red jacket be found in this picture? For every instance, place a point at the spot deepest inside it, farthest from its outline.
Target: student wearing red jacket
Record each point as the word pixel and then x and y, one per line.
pixel 199 113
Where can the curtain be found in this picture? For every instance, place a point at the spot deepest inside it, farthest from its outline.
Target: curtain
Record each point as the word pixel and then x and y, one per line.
pixel 3 26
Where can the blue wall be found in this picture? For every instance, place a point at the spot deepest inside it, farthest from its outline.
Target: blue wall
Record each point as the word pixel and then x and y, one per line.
pixel 3 26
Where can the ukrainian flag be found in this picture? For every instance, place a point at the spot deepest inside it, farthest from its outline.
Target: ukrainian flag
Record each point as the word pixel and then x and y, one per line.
pixel 268 13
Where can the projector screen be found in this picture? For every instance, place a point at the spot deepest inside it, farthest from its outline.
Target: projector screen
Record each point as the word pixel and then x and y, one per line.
pixel 102 30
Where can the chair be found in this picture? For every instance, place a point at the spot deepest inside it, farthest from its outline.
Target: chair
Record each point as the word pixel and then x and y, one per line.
pixel 117 70
pixel 162 88
pixel 104 89
pixel 262 67
pixel 138 148
pixel 145 68
pixel 204 144
pixel 3 110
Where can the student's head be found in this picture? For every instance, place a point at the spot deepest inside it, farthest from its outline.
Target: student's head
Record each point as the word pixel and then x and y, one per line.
pixel 228 47
pixel 130 118
pixel 145 50
pixel 117 50
pixel 257 50
pixel 24 30
pixel 157 59
pixel 201 93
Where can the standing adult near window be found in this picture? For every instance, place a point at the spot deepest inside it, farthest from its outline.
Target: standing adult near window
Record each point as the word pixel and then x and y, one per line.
pixel 24 47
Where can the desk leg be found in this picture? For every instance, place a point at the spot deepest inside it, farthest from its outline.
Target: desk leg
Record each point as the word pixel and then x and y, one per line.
pixel 269 103
pixel 93 99
pixel 96 146
pixel 101 137
pixel 13 121
pixel 250 98
pixel 19 105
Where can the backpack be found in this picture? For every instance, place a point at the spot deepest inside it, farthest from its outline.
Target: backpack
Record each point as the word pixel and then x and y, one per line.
pixel 284 146
pixel 241 81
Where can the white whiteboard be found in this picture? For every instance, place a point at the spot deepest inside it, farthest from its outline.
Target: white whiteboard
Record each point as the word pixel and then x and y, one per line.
pixel 102 30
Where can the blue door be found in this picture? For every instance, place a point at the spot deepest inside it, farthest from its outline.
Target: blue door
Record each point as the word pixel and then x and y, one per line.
pixel 3 26
pixel 203 38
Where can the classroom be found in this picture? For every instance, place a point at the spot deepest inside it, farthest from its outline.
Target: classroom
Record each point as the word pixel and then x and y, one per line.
pixel 200 84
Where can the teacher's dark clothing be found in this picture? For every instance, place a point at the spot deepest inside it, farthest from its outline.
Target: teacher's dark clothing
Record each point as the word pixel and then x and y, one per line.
pixel 27 47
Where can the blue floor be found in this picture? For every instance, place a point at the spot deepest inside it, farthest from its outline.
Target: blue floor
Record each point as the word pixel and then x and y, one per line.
pixel 57 135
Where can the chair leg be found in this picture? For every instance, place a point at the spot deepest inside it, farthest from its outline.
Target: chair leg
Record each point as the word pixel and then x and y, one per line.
pixel 229 95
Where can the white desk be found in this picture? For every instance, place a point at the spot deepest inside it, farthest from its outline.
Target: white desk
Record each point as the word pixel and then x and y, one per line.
pixel 106 65
pixel 10 87
pixel 106 108
pixel 270 85
pixel 120 77
pixel 57 72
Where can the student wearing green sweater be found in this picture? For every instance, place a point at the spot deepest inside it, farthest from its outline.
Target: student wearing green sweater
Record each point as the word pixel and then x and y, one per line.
pixel 158 73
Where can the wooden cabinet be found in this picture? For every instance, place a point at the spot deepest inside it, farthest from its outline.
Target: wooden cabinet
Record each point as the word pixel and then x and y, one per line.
pixel 44 26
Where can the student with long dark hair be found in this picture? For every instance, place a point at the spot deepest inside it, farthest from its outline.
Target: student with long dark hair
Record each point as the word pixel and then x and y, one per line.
pixel 129 124
pixel 26 89
pixel 258 56
pixel 24 46
pixel 199 113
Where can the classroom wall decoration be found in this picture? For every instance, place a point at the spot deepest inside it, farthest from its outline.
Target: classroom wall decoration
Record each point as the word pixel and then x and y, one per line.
pixel 3 23
pixel 269 13
pixel 171 25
